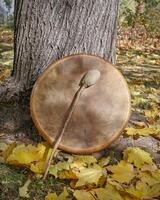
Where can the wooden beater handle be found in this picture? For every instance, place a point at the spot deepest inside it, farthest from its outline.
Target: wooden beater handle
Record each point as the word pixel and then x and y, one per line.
pixel 89 79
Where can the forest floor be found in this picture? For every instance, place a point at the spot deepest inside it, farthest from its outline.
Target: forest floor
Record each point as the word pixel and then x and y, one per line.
pixel 141 68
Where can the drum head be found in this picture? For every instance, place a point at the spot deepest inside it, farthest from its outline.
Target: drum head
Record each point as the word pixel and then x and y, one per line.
pixel 102 110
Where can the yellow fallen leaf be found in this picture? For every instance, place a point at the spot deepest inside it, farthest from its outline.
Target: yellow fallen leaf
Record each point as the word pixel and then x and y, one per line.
pixel 83 195
pixel 134 192
pixel 63 195
pixel 116 184
pixel 128 197
pixel 89 175
pixel 77 166
pixel 9 150
pixel 67 174
pixel 152 113
pixel 53 170
pixel 22 154
pixel 84 159
pixel 148 185
pixel 144 191
pixel 143 131
pixel 39 166
pixel 62 165
pixel 137 156
pixel 156 174
pixel 53 196
pixel 23 191
pixel 4 72
pixel 80 162
pixel 136 100
pixel 150 178
pixel 149 168
pixel 149 192
pixel 123 172
pixel 108 193
pixel 153 97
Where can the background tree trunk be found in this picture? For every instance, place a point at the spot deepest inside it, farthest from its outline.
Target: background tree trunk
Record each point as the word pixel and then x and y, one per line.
pixel 48 30
pixel 44 32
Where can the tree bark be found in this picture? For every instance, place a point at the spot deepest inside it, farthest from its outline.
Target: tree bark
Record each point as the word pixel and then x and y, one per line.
pixel 48 30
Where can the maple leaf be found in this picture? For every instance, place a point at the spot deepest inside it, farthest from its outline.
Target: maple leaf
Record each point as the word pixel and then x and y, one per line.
pixel 123 172
pixel 89 175
pixel 22 154
pixel 137 156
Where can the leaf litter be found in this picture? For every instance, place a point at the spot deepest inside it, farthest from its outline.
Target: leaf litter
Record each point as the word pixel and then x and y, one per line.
pixel 134 177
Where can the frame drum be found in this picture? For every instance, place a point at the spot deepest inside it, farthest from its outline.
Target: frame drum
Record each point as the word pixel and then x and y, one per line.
pixel 102 111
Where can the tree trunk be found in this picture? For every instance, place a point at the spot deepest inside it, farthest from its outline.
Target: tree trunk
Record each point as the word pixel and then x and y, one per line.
pixel 48 30
pixel 44 32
